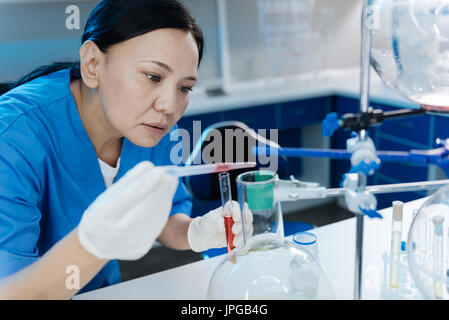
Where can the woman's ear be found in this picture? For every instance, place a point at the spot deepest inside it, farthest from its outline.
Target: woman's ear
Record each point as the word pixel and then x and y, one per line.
pixel 91 58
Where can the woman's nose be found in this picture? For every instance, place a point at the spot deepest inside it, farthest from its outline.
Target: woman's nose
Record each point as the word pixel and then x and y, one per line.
pixel 166 101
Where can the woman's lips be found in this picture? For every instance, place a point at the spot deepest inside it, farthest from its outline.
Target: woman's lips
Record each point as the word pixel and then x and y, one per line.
pixel 155 128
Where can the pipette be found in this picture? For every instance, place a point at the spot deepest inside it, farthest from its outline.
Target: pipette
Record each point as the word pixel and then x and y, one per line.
pixel 186 171
pixel 226 201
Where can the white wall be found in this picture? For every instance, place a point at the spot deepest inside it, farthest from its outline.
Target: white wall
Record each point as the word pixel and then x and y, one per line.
pixel 342 50
pixel 34 33
pixel 339 28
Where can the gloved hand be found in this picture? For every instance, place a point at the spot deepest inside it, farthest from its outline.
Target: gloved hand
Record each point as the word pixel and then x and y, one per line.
pixel 208 231
pixel 125 220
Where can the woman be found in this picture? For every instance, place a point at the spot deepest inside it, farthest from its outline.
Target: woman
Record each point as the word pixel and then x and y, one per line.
pixel 80 148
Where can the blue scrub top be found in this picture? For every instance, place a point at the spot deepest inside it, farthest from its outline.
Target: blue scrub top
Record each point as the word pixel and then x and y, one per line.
pixel 49 173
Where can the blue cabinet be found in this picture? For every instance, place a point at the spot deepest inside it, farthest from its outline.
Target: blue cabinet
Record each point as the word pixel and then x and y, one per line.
pixel 292 166
pixel 402 172
pixel 413 131
pixel 391 172
pixel 441 129
pixel 305 112
pixel 402 135
pixel 258 117
pixel 293 116
pixel 205 119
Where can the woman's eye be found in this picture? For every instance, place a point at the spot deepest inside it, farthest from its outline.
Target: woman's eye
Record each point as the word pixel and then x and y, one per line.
pixel 185 89
pixel 154 78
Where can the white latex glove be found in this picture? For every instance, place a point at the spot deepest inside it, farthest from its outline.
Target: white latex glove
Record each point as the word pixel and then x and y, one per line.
pixel 208 231
pixel 125 220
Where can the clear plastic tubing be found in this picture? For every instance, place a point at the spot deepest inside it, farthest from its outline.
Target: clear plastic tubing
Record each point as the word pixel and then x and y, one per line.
pixel 226 201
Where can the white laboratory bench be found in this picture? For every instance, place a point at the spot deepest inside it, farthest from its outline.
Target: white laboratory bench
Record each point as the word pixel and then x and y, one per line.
pixel 336 246
pixel 344 82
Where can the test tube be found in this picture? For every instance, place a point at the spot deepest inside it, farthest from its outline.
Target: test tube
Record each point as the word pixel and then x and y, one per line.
pixel 396 235
pixel 437 251
pixel 226 202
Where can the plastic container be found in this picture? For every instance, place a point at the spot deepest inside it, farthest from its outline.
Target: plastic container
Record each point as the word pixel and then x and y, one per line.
pixel 307 240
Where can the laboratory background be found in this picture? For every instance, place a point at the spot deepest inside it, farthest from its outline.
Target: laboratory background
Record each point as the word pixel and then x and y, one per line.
pixel 288 65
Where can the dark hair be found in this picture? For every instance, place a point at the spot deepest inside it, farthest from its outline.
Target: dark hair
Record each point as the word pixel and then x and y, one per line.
pixel 115 21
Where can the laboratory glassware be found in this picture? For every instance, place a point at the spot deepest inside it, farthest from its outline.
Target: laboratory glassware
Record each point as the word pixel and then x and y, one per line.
pixel 428 247
pixel 307 240
pixel 256 193
pixel 410 48
pixel 267 266
pixel 226 202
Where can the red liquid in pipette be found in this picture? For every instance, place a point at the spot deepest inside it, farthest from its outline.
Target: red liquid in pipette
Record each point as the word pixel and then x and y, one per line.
pixel 222 167
pixel 229 222
pixel 436 108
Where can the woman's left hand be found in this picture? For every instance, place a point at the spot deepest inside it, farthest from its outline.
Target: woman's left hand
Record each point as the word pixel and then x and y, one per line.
pixel 208 231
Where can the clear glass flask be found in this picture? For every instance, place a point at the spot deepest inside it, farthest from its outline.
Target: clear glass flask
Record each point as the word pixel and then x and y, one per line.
pixel 267 266
pixel 428 246
pixel 410 48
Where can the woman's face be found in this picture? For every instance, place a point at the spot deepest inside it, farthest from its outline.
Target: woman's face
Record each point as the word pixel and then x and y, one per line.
pixel 145 82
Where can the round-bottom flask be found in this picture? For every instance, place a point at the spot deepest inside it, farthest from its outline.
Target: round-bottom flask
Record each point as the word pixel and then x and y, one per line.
pixel 269 268
pixel 428 246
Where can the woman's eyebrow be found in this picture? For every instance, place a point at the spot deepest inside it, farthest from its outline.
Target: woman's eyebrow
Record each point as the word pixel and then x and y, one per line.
pixel 161 64
pixel 168 68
